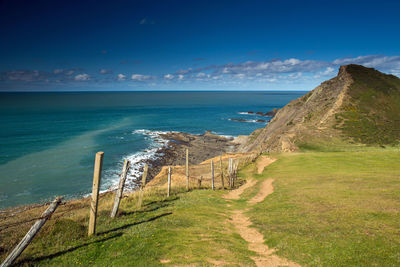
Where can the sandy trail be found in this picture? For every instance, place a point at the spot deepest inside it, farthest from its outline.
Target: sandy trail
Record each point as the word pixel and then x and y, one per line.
pixel 235 194
pixel 266 256
pixel 265 190
pixel 263 162
pixel 256 243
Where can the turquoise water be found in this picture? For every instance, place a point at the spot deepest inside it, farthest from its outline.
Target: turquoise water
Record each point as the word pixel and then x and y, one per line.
pixel 48 140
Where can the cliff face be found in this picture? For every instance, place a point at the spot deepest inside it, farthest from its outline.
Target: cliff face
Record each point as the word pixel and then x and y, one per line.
pixel 350 106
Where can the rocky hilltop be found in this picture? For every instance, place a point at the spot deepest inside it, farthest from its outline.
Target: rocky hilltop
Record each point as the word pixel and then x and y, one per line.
pixel 359 105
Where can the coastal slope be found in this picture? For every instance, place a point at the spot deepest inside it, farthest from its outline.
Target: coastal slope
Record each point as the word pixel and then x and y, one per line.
pixel 360 105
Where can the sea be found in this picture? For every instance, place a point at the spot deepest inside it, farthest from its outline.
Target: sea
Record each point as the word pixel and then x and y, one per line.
pixel 48 140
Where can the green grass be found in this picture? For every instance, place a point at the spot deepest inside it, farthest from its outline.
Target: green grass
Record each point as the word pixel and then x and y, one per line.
pixel 328 209
pixel 373 116
pixel 187 228
pixel 334 209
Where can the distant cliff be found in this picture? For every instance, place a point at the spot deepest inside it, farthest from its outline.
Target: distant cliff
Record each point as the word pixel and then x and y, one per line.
pixel 359 105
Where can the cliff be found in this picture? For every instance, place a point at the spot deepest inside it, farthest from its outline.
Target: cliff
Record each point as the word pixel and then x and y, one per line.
pixel 359 105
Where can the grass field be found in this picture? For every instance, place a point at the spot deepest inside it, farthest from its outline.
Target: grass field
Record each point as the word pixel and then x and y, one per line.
pixel 328 209
pixel 334 209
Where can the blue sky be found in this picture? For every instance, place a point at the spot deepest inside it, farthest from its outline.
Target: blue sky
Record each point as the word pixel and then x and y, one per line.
pixel 191 45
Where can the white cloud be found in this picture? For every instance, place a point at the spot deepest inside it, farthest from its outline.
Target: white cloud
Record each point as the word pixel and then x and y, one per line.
pixel 168 76
pixel 328 71
pixel 121 77
pixel 140 77
pixel 105 71
pixel 180 77
pixel 82 77
pixel 58 71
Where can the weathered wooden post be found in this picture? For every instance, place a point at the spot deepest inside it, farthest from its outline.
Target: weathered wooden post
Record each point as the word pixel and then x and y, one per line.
pixel 199 181
pixel 31 233
pixel 169 181
pixel 230 172
pixel 141 190
pixel 222 172
pixel 95 192
pixel 120 190
pixel 187 169
pixel 212 175
pixel 235 168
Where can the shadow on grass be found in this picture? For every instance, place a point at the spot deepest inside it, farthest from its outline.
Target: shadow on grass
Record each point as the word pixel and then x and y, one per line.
pixel 124 213
pixel 57 254
pixel 170 199
pixel 136 223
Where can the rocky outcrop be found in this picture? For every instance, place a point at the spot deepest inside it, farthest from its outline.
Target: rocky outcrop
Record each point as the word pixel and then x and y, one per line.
pixel 311 114
pixel 360 105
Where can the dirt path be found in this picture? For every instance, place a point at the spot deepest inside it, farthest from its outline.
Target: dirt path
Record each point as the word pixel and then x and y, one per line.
pixel 256 243
pixel 265 190
pixel 263 162
pixel 235 194
pixel 266 256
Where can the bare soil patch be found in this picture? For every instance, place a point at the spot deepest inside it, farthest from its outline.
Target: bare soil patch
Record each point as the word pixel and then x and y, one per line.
pixel 235 194
pixel 263 162
pixel 265 190
pixel 242 223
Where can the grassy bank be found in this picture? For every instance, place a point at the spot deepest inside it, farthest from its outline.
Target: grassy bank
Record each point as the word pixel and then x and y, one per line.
pixel 334 209
pixel 329 209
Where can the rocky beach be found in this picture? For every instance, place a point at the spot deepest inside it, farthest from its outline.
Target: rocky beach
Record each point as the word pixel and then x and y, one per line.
pixel 201 147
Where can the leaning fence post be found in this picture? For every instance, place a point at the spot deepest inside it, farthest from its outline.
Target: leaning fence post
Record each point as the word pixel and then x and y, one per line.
pixel 144 177
pixel 235 168
pixel 222 172
pixel 212 175
pixel 95 192
pixel 230 172
pixel 169 181
pixel 187 169
pixel 120 190
pixel 31 233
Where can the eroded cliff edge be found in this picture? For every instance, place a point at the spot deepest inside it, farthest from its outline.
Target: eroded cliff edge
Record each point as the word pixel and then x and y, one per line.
pixel 359 105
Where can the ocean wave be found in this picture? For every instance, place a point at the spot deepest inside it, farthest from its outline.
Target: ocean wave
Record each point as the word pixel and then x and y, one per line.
pixel 246 113
pixel 252 121
pixel 224 135
pixel 139 159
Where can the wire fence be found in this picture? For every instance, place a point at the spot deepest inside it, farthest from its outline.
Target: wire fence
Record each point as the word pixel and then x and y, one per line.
pixel 216 173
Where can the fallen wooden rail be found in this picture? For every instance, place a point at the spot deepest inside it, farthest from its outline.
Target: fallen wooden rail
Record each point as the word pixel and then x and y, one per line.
pixel 31 233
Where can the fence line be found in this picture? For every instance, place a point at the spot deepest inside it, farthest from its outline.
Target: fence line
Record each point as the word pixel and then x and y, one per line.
pixel 31 233
pixel 232 178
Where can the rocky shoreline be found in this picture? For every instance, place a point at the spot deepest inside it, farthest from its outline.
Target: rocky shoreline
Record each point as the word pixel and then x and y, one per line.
pixel 201 147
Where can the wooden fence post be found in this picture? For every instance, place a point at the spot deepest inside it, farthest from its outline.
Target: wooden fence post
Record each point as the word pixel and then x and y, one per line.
pixel 141 190
pixel 120 190
pixel 187 169
pixel 95 192
pixel 235 167
pixel 222 172
pixel 169 181
pixel 199 181
pixel 31 233
pixel 212 175
pixel 230 172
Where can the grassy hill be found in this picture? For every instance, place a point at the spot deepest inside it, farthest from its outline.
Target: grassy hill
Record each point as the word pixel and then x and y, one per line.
pixel 360 106
pixel 372 113
pixel 329 209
